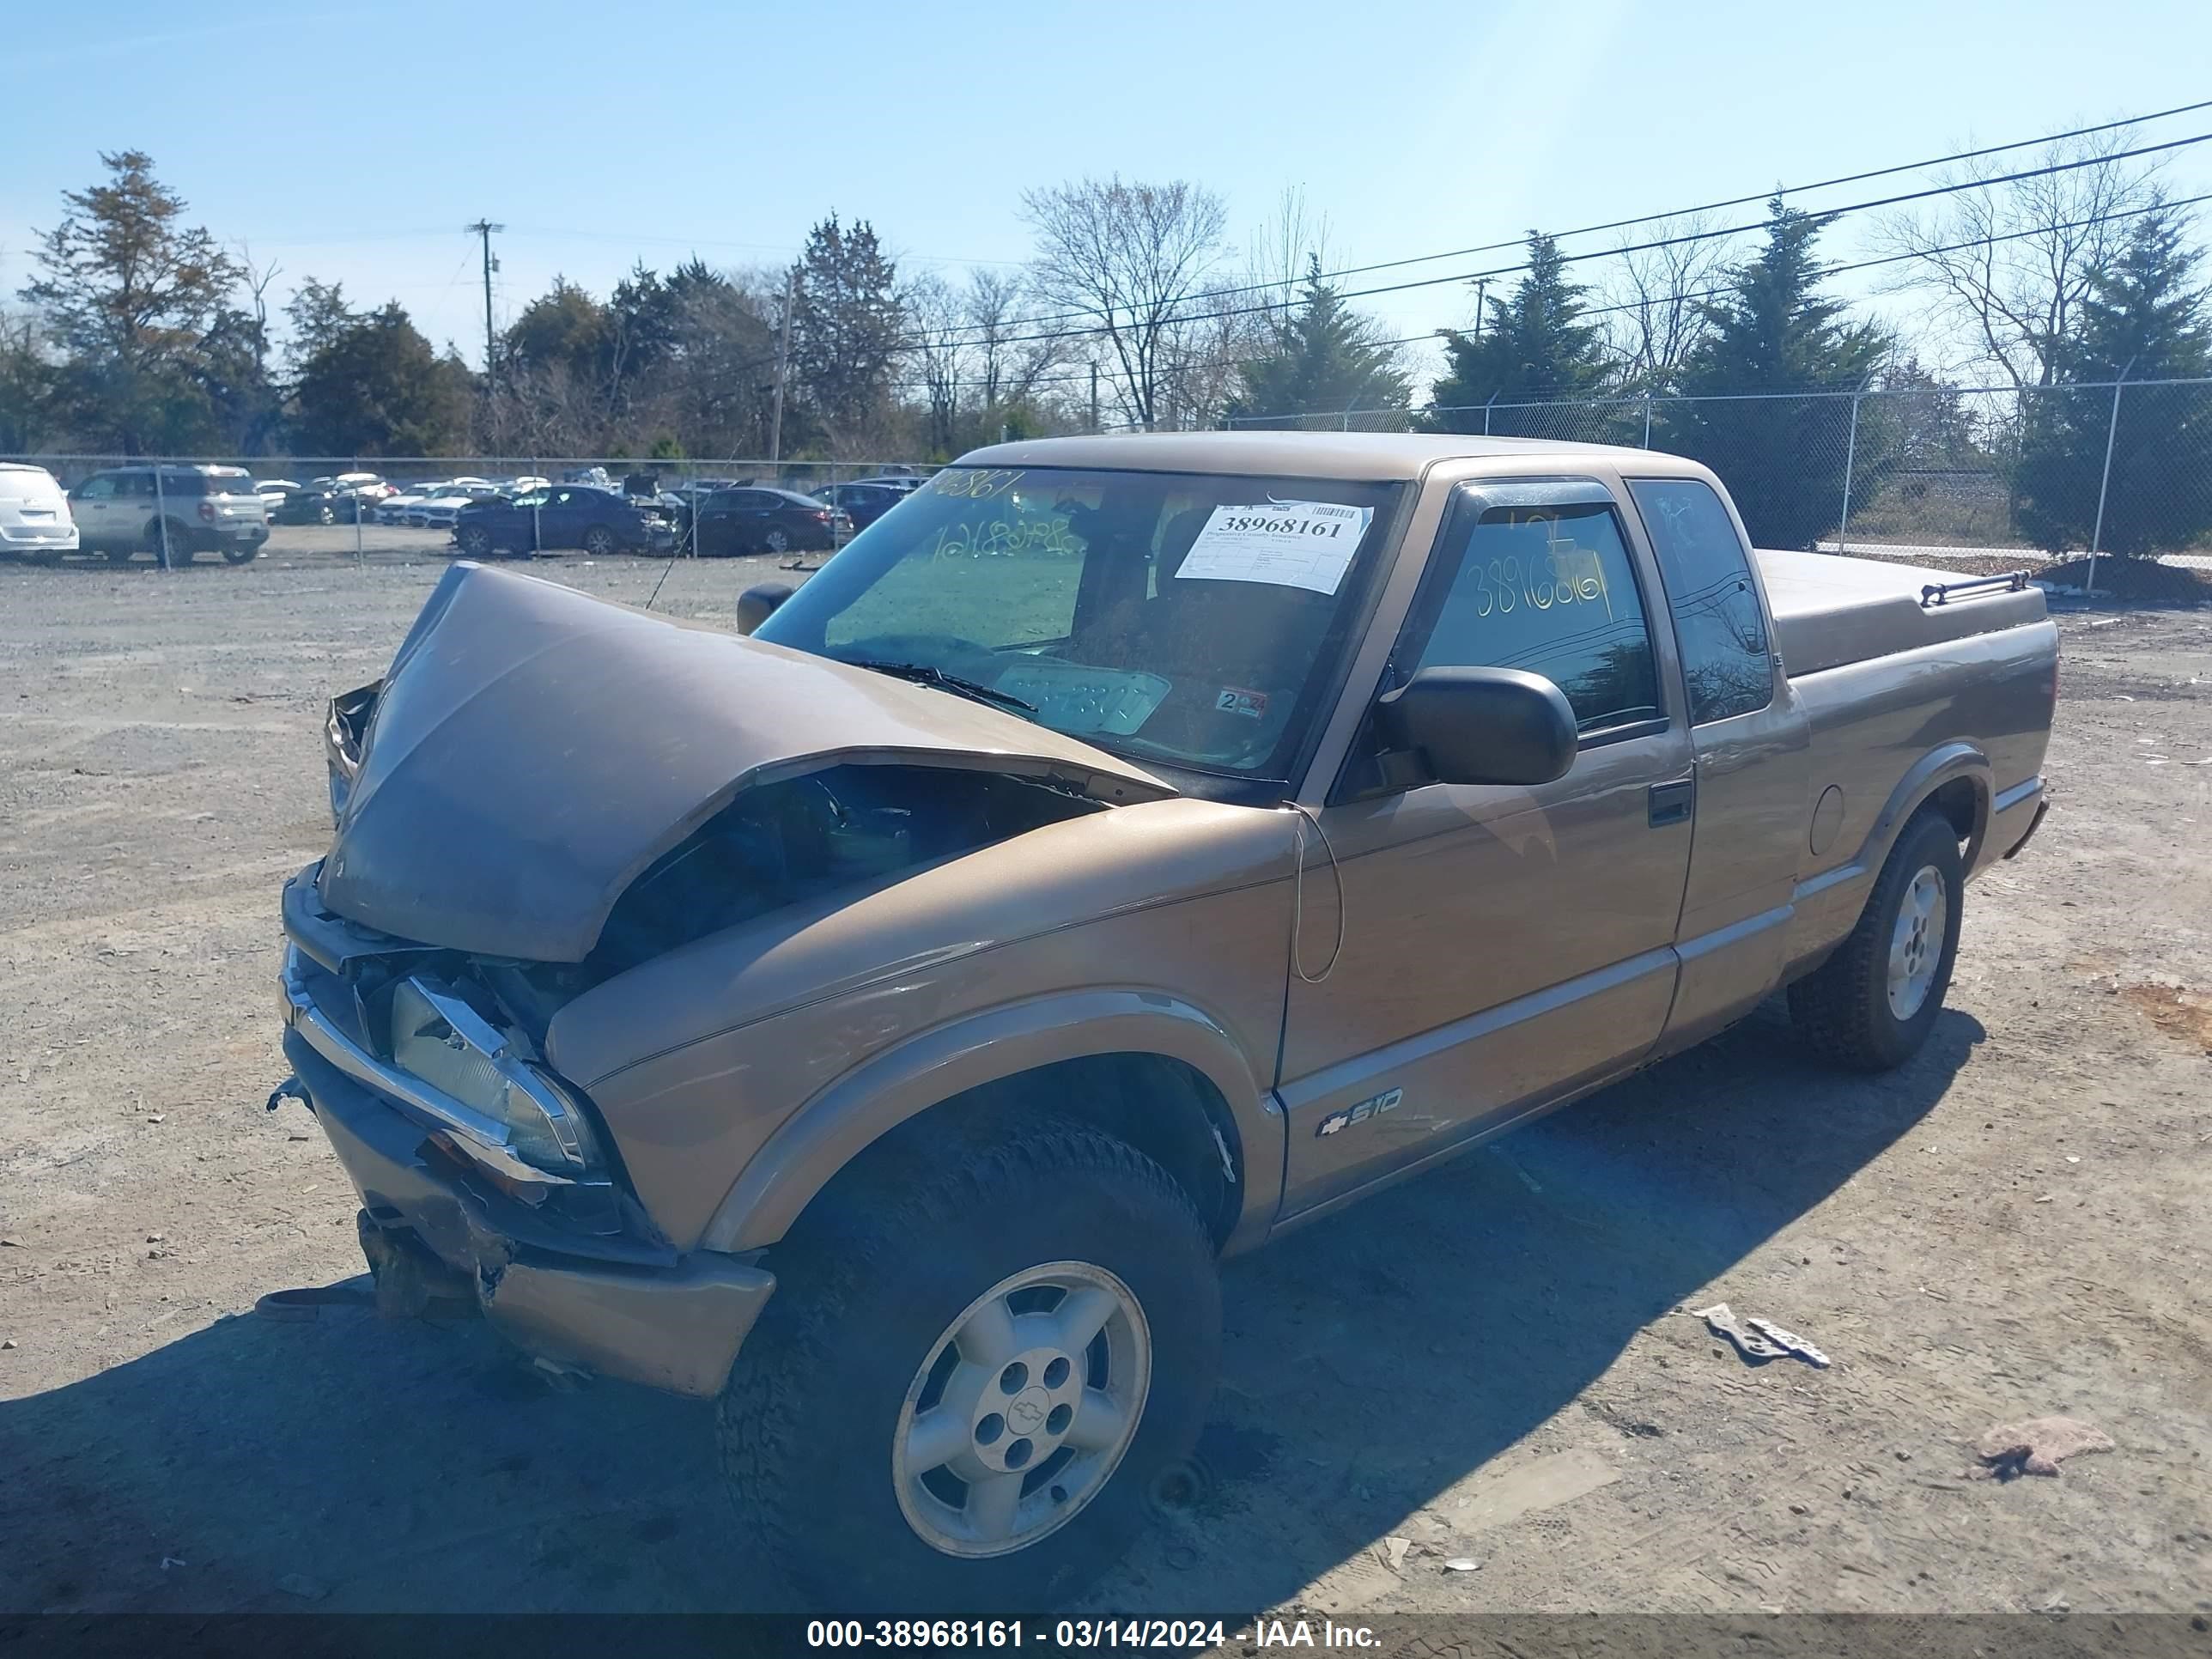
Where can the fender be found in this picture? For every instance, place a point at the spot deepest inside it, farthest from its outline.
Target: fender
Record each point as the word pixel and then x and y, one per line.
pixel 830 1130
pixel 1939 766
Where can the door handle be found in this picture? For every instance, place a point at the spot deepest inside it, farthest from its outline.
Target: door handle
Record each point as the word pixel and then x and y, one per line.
pixel 1670 802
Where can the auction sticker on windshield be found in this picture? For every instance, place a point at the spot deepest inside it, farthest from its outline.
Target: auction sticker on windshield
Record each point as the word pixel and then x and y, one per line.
pixel 1290 543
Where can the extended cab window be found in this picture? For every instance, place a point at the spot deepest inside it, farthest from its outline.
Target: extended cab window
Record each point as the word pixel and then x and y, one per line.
pixel 1549 589
pixel 1718 625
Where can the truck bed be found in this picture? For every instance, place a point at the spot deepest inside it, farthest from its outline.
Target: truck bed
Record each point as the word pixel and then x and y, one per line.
pixel 1830 610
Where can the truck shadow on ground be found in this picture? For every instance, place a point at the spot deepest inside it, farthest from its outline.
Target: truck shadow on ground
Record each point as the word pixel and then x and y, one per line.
pixel 1373 1360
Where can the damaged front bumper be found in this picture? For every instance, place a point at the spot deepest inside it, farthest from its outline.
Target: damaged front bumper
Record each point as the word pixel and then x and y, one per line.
pixel 561 1277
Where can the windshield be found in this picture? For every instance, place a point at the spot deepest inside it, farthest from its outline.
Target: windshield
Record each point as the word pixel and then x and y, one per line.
pixel 1174 616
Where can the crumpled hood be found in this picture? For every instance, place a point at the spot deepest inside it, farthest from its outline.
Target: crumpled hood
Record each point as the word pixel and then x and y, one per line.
pixel 533 750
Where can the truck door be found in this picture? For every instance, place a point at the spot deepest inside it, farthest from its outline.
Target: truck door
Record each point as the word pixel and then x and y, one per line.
pixel 1749 743
pixel 1501 945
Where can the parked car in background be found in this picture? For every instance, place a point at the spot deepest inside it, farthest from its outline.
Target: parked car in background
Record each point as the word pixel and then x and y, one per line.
pixel 598 521
pixel 441 511
pixel 522 484
pixel 589 475
pixel 308 504
pixel 393 509
pixel 195 509
pixel 275 488
pixel 904 481
pixel 759 520
pixel 35 514
pixel 863 503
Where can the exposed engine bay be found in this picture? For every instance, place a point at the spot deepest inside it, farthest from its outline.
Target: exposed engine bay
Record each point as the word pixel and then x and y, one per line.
pixel 780 843
pixel 776 845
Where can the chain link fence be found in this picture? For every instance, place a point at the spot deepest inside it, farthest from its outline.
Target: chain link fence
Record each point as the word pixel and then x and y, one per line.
pixel 2113 467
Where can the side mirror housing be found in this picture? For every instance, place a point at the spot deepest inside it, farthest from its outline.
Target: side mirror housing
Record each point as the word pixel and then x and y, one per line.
pixel 1482 725
pixel 759 602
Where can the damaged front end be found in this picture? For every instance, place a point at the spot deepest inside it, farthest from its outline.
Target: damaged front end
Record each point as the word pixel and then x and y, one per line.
pixel 544 793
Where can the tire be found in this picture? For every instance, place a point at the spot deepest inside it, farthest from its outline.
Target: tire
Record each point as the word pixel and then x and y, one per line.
pixel 601 543
pixel 474 541
pixel 778 540
pixel 872 1292
pixel 326 514
pixel 180 546
pixel 246 555
pixel 1870 1006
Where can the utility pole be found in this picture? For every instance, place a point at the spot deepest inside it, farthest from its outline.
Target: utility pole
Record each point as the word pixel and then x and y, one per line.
pixel 1481 303
pixel 1094 398
pixel 485 228
pixel 782 368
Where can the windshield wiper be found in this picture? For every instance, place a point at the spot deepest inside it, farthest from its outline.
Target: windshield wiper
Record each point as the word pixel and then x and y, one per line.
pixel 922 674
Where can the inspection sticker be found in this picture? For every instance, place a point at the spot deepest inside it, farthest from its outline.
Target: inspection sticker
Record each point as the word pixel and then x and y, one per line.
pixel 1306 544
pixel 1241 700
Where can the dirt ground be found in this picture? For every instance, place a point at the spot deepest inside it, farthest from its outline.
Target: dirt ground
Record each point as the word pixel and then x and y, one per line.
pixel 1490 1363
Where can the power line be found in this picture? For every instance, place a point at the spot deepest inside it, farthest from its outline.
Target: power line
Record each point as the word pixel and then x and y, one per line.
pixel 1826 272
pixel 1597 254
pixel 1708 207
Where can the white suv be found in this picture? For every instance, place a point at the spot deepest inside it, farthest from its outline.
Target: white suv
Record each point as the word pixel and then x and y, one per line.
pixel 35 514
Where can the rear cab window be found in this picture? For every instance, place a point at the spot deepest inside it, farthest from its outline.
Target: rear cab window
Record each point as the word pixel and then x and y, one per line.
pixel 1719 627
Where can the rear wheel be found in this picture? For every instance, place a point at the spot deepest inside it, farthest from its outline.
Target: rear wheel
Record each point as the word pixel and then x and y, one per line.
pixel 982 1360
pixel 778 540
pixel 241 553
pixel 180 547
pixel 1872 1004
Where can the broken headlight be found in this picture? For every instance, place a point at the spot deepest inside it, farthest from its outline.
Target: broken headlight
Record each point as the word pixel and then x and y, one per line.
pixel 438 1037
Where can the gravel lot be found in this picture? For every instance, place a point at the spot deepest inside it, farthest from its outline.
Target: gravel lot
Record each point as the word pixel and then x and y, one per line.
pixel 1489 1363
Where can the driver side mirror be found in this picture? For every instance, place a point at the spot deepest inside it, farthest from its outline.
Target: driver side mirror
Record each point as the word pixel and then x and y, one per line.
pixel 1482 725
pixel 759 602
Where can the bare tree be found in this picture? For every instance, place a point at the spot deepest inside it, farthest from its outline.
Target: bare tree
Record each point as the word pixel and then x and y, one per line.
pixel 1011 357
pixel 938 338
pixel 256 280
pixel 1126 257
pixel 2003 267
pixel 1653 294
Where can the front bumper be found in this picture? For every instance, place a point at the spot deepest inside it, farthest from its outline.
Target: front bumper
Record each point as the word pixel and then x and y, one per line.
pixel 572 1290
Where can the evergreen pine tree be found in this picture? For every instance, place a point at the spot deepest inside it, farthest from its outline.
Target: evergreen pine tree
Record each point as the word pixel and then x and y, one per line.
pixel 1323 360
pixel 2145 318
pixel 1533 347
pixel 1783 457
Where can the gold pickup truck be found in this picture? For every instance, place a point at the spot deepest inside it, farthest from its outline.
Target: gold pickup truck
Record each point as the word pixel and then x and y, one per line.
pixel 1123 850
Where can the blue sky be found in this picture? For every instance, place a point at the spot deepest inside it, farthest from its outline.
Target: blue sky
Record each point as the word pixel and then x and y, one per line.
pixel 353 145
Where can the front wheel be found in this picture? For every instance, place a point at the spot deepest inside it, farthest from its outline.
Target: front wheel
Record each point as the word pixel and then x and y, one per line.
pixel 474 540
pixel 601 543
pixel 981 1360
pixel 1871 1004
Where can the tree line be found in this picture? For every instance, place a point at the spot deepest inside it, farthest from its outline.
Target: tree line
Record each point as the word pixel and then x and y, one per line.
pixel 140 333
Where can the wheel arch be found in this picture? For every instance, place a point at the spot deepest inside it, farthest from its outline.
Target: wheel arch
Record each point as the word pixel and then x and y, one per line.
pixel 1956 779
pixel 1153 1069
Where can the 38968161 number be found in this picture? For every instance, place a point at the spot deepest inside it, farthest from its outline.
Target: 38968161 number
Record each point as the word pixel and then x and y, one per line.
pixel 914 1633
pixel 1573 577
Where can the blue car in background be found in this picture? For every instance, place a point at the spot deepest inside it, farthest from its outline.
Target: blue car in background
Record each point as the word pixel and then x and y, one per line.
pixel 588 517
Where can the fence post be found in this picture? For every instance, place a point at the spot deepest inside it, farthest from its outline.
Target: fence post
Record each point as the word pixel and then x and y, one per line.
pixel 2105 483
pixel 1647 419
pixel 1851 458
pixel 1485 415
pixel 162 518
